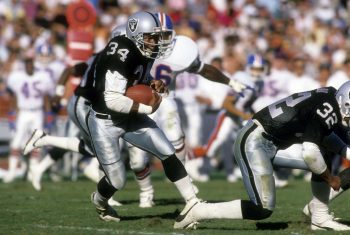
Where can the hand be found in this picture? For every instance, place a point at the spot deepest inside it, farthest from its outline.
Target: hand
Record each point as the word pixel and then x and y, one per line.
pixel 334 182
pixel 159 86
pixel 238 87
pixel 156 102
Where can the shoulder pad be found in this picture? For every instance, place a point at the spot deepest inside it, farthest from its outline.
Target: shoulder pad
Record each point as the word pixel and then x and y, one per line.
pixel 185 51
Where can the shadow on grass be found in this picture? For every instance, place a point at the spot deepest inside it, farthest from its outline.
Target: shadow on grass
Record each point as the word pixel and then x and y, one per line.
pixel 271 225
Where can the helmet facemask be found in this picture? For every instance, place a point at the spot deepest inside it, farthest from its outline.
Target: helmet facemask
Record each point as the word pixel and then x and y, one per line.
pixel 344 105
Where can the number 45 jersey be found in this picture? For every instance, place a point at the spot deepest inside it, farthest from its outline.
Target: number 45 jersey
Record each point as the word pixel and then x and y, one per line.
pixel 306 116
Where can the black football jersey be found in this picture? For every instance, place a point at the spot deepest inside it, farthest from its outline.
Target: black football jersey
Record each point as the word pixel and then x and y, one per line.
pixel 306 116
pixel 123 56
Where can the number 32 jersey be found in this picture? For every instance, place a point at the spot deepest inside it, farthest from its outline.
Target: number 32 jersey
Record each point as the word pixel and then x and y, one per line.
pixel 306 116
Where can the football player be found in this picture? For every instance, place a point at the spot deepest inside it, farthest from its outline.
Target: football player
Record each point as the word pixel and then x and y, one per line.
pixel 29 90
pixel 309 118
pixel 236 109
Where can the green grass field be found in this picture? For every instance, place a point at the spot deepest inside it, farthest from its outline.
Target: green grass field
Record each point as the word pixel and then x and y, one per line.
pixel 65 208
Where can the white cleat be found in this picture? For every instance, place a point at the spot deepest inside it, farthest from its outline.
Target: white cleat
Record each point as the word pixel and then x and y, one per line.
pixel 9 177
pixel 329 224
pixel 30 145
pixel 113 202
pixel 146 199
pixel 186 219
pixel 107 213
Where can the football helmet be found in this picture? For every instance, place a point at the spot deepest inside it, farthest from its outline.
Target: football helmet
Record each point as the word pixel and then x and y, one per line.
pixel 256 66
pixel 168 34
pixel 118 30
pixel 44 53
pixel 343 98
pixel 146 31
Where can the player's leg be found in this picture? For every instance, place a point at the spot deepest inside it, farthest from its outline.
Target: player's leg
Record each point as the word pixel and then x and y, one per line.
pixel 146 135
pixel 105 142
pixel 139 163
pixel 253 154
pixel 15 148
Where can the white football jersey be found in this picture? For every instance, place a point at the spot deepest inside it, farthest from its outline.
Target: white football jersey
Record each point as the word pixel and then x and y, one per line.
pixel 184 53
pixel 301 84
pixel 30 89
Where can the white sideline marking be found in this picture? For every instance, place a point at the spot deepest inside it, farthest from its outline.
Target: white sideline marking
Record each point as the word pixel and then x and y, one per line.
pixel 102 230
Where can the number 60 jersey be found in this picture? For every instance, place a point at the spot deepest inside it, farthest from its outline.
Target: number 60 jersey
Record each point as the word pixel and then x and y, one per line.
pixel 306 116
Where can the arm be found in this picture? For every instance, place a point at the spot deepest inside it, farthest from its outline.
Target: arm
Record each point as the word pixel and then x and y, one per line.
pixel 228 104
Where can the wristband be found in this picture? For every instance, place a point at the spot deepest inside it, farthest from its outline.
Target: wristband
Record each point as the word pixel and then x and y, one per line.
pixel 146 109
pixel 60 90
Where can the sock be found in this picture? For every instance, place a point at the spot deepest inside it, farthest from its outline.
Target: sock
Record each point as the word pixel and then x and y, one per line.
pixel 68 143
pixel 145 184
pixel 222 210
pixel 186 189
pixel 44 164
pixel 319 203
pixel 13 163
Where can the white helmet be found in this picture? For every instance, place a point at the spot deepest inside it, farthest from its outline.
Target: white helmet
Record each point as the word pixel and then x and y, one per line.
pixel 142 25
pixel 343 98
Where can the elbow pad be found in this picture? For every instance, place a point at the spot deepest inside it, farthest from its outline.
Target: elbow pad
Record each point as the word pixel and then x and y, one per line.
pixel 118 102
pixel 313 158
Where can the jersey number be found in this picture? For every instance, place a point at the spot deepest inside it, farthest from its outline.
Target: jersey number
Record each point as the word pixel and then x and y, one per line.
pixel 122 52
pixel 328 114
pixel 31 89
pixel 163 73
pixel 276 109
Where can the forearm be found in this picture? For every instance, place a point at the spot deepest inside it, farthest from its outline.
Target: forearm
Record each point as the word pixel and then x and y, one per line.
pixel 213 74
pixel 123 104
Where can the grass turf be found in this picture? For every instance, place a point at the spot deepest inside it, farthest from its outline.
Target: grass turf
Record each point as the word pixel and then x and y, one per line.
pixel 65 208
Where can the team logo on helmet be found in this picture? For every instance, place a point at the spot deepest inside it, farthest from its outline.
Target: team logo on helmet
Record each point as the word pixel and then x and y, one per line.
pixel 132 24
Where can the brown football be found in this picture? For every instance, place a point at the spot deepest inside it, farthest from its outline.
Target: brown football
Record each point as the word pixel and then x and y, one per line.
pixel 141 94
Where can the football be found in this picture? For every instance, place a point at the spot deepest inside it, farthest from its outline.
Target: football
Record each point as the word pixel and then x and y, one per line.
pixel 141 94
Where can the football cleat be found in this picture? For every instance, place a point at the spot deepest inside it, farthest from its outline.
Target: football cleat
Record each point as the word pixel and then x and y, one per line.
pixel 36 178
pixel 30 145
pixel 329 224
pixel 307 213
pixel 146 199
pixel 186 219
pixel 105 213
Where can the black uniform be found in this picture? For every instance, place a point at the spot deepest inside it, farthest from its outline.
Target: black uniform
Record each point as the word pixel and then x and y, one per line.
pixel 307 116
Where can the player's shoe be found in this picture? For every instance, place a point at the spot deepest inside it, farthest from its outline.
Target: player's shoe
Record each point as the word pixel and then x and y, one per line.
pixel 113 202
pixel 186 219
pixel 146 199
pixel 307 213
pixel 36 178
pixel 106 213
pixel 9 177
pixel 329 224
pixel 30 145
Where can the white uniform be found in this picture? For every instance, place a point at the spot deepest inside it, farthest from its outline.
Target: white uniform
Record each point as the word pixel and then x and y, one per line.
pixel 30 92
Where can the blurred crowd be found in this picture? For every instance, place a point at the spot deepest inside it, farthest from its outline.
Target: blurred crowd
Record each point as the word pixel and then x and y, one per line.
pixel 301 38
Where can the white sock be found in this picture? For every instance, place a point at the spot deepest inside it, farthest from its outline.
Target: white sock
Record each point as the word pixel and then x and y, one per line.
pixel 319 203
pixel 67 143
pixel 13 163
pixel 222 210
pixel 44 164
pixel 145 184
pixel 185 188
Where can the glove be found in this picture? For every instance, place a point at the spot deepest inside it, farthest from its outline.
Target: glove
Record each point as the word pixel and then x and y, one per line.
pixel 49 120
pixel 238 87
pixel 345 179
pixel 11 117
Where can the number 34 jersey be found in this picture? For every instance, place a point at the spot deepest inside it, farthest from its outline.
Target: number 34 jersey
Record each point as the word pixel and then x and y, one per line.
pixel 306 116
